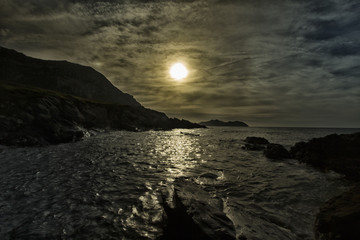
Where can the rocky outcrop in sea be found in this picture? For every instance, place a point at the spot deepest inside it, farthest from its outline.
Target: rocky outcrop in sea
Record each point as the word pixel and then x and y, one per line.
pixel 270 150
pixel 224 124
pixel 276 151
pixel 340 153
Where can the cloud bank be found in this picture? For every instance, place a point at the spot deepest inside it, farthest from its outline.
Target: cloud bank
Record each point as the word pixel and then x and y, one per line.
pixel 284 63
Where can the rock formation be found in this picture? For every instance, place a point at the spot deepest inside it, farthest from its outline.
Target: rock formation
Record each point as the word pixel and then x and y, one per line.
pixel 221 123
pixel 339 218
pixel 50 102
pixel 192 213
pixel 340 153
pixel 276 151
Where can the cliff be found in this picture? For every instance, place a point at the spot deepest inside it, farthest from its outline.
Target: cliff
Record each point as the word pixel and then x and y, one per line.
pixel 31 116
pixel 60 76
pixel 49 102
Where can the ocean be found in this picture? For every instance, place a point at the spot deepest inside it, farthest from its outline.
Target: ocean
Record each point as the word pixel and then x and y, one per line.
pixel 110 186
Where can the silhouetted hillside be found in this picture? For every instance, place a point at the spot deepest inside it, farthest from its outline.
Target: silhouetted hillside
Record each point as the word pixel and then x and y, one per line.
pixel 49 102
pixel 61 76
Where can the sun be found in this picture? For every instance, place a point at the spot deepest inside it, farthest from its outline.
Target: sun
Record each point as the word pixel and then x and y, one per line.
pixel 178 71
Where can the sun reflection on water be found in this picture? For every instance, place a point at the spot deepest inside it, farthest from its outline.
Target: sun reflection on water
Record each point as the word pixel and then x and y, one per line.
pixel 172 153
pixel 180 150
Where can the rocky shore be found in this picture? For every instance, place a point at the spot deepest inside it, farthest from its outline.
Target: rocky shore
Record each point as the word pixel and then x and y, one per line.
pixel 339 217
pixel 340 153
pixel 49 102
pixel 36 117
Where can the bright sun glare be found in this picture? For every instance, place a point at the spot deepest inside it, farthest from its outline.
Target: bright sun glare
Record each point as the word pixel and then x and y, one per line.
pixel 178 71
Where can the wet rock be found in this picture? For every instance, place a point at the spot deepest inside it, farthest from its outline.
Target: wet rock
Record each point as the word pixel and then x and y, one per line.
pixel 339 218
pixel 193 214
pixel 255 143
pixel 340 153
pixel 253 147
pixel 276 151
pixel 256 140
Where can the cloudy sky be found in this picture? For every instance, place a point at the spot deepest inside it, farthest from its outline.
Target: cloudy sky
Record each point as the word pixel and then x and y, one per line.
pixel 268 63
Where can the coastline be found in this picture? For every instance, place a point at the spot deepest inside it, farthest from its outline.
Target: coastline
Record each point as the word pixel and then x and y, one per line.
pixel 38 117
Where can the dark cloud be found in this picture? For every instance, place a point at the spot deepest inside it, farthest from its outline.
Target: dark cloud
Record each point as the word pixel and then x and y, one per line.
pixel 328 29
pixel 267 63
pixel 353 71
pixel 345 49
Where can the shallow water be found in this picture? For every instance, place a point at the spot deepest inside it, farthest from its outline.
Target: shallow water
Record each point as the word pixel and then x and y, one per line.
pixel 109 186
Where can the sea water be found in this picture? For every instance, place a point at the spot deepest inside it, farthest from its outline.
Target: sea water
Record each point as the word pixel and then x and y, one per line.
pixel 109 186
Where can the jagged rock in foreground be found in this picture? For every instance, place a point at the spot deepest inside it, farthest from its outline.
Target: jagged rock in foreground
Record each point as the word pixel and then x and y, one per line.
pixel 339 218
pixel 194 214
pixel 30 117
pixel 340 153
pixel 221 123
pixel 276 151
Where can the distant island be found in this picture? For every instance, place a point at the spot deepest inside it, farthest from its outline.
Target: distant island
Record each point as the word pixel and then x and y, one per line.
pixel 50 102
pixel 222 123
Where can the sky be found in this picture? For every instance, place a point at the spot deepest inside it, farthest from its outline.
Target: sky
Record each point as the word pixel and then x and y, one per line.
pixel 267 63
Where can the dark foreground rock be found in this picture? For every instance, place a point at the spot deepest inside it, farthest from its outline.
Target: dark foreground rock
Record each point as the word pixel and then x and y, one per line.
pixel 30 116
pixel 276 151
pixel 339 218
pixel 193 214
pixel 340 153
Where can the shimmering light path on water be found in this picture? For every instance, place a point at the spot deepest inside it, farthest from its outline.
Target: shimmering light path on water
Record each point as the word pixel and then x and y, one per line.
pixel 109 186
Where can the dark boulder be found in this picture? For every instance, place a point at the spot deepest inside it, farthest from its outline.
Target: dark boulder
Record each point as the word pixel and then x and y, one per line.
pixel 193 213
pixel 276 151
pixel 255 143
pixel 339 218
pixel 340 153
pixel 253 147
pixel 256 140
